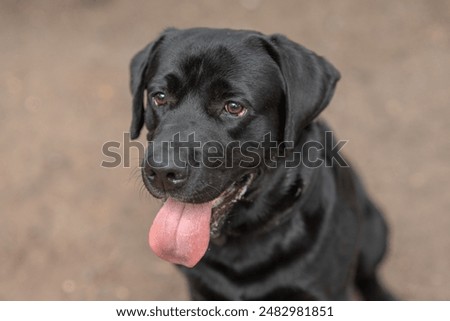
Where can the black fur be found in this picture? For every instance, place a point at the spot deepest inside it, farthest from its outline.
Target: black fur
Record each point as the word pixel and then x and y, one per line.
pixel 299 233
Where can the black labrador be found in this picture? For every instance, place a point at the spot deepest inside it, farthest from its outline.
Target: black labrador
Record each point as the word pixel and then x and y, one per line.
pixel 257 203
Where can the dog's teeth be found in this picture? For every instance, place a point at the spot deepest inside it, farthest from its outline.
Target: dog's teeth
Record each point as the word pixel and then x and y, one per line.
pixel 217 201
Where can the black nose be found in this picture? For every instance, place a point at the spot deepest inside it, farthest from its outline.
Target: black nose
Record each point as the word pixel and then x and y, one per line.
pixel 166 178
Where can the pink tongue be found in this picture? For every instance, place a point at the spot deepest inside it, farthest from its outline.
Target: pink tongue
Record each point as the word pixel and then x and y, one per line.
pixel 180 232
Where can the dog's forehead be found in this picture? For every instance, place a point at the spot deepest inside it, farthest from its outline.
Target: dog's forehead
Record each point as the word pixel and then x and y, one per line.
pixel 213 51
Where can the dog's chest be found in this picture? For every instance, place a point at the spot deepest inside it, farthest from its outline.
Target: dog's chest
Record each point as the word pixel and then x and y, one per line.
pixel 254 269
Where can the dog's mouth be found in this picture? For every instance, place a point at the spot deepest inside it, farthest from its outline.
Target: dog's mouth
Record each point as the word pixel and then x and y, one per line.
pixel 181 231
pixel 223 204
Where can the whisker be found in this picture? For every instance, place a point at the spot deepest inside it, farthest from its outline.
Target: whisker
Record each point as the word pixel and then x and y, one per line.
pixel 211 186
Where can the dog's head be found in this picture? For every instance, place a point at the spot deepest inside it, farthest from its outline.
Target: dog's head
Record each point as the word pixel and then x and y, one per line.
pixel 209 98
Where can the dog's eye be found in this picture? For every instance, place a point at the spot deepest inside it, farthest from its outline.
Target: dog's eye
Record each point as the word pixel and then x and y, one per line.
pixel 235 109
pixel 159 99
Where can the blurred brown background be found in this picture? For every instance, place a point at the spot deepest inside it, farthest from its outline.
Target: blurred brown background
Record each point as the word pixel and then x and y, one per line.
pixel 70 229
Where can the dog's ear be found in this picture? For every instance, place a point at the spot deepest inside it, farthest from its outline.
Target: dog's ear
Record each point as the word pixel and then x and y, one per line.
pixel 138 74
pixel 309 79
pixel 138 67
